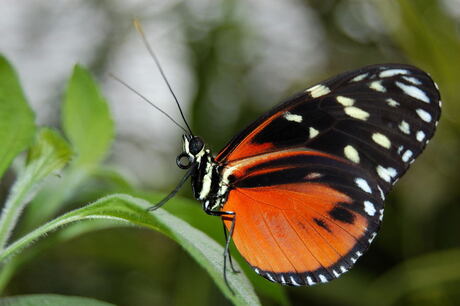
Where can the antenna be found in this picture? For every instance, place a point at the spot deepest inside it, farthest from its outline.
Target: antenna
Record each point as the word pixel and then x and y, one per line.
pixel 139 29
pixel 146 100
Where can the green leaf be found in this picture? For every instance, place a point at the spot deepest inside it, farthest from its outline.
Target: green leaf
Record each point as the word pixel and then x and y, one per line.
pixel 49 153
pixel 86 119
pixel 50 300
pixel 17 126
pixel 127 209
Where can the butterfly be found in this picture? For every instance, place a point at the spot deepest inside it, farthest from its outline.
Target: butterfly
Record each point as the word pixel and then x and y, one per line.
pixel 301 190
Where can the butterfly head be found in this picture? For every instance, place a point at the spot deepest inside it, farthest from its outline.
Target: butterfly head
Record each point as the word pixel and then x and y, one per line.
pixel 194 148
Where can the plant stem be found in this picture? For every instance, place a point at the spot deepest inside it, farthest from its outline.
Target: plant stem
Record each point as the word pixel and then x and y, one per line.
pixel 14 205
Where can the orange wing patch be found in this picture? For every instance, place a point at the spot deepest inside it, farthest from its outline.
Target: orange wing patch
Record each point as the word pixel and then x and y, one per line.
pixel 295 229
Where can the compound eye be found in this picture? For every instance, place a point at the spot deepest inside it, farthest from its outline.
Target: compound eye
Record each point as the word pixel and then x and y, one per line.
pixel 184 161
pixel 196 145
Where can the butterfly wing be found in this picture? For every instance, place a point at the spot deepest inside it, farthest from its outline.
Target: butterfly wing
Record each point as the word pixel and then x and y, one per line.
pixel 307 180
pixel 380 116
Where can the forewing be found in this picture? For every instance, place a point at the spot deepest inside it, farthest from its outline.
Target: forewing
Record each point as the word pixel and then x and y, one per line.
pixel 302 217
pixel 379 117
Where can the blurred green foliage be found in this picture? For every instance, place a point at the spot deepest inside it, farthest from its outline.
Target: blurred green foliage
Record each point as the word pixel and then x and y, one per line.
pixel 415 258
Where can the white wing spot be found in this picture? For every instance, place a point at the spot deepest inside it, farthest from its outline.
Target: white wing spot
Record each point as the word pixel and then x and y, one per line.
pixel 318 90
pixel 392 102
pixel 351 153
pixel 412 80
pixel 313 132
pixel 377 86
pixel 345 101
pixel 294 282
pixel 362 183
pixel 270 277
pixel 336 274
pixel 413 91
pixel 392 72
pixel 313 175
pixel 310 281
pixel 373 235
pixel 356 113
pixel 382 195
pixel 381 140
pixel 386 174
pixel 292 117
pixel 404 127
pixel 343 269
pixel 359 77
pixel 406 156
pixel 420 136
pixel 283 281
pixel 424 115
pixel 369 208
pixel 322 278
pixel 381 214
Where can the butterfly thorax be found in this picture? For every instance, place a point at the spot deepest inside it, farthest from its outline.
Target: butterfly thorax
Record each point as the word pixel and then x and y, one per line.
pixel 207 184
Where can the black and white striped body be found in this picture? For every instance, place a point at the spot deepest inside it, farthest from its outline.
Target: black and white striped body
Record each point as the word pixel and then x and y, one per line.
pixel 208 186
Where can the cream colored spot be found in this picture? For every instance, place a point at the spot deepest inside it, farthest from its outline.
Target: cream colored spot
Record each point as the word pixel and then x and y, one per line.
pixel 322 278
pixel 313 175
pixel 420 136
pixel 377 86
pixel 294 282
pixel 424 115
pixel 313 132
pixel 392 102
pixel 318 91
pixel 382 195
pixel 359 77
pixel 413 91
pixel 345 101
pixel 369 208
pixel 404 127
pixel 351 153
pixel 392 72
pixel 356 113
pixel 362 183
pixel 292 117
pixel 381 140
pixel 412 80
pixel 406 156
pixel 386 174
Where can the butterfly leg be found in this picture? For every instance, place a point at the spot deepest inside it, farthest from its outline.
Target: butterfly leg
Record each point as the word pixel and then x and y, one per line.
pixel 228 238
pixel 172 193
pixel 227 242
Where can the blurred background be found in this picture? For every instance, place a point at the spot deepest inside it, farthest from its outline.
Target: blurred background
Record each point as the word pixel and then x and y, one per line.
pixel 229 61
